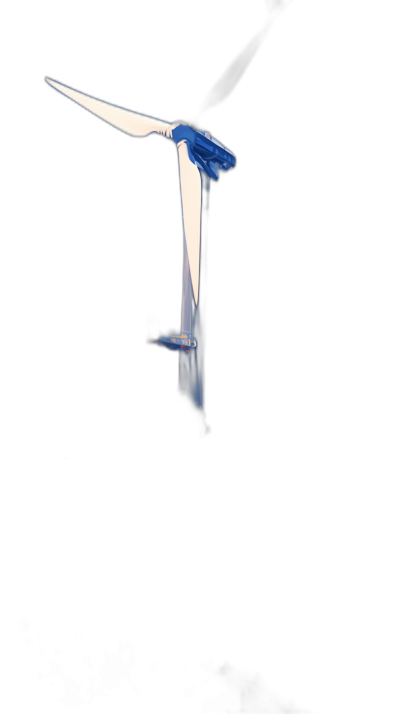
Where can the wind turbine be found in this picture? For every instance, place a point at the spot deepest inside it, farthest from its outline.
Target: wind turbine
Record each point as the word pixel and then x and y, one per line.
pixel 201 158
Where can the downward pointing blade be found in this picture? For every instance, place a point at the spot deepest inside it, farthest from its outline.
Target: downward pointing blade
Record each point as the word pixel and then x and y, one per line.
pixel 130 122
pixel 191 209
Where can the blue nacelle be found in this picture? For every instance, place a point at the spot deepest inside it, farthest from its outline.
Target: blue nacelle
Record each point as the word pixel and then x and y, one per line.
pixel 207 152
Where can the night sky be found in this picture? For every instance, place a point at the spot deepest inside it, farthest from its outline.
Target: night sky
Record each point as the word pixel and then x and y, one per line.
pixel 140 541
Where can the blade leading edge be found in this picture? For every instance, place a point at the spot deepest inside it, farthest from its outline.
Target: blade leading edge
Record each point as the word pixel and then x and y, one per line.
pixel 130 122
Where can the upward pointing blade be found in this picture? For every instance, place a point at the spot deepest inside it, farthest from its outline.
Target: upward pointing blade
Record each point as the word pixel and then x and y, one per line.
pixel 191 211
pixel 227 83
pixel 130 122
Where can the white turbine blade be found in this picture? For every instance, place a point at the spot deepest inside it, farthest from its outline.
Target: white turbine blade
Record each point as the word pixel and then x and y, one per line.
pixel 130 122
pixel 191 211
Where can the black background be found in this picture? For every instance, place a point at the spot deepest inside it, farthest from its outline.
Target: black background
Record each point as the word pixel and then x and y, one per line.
pixel 124 515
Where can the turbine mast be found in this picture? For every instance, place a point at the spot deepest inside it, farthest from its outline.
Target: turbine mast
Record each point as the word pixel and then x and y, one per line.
pixel 191 363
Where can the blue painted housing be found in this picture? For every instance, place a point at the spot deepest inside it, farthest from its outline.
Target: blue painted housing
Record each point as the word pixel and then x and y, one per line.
pixel 207 153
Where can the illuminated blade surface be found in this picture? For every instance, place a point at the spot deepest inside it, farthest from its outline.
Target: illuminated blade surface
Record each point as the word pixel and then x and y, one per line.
pixel 130 122
pixel 191 210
